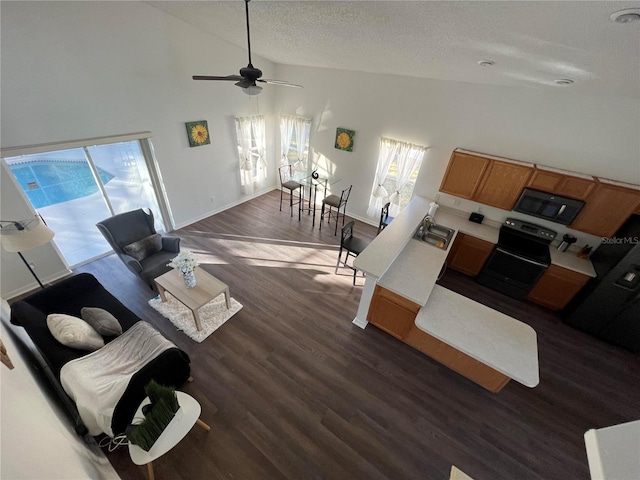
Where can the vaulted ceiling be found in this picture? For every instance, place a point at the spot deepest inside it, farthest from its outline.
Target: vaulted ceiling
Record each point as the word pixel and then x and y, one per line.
pixel 531 43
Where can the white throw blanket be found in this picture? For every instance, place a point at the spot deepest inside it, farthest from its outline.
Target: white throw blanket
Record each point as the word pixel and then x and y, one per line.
pixel 96 381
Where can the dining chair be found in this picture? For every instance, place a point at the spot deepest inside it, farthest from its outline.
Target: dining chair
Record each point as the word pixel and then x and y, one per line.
pixel 337 202
pixel 286 181
pixel 385 219
pixel 353 246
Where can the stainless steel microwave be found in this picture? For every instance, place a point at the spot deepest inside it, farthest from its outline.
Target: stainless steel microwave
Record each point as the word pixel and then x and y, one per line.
pixel 554 208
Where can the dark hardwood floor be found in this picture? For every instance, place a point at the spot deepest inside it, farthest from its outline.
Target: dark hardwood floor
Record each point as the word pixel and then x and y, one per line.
pixel 293 390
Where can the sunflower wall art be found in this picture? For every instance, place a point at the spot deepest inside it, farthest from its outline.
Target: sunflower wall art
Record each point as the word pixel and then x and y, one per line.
pixel 198 133
pixel 344 139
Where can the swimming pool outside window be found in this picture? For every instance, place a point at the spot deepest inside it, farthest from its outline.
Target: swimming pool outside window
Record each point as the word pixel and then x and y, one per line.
pixel 74 189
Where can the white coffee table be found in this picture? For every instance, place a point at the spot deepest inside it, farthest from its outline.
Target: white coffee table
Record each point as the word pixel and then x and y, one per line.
pixel 207 288
pixel 186 417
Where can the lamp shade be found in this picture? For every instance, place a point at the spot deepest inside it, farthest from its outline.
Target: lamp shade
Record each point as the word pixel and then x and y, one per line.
pixel 34 234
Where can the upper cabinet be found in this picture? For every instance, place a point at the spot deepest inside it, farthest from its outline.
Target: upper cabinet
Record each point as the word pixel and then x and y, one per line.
pixel 464 174
pixel 489 180
pixel 502 184
pixel 499 182
pixel 564 184
pixel 607 208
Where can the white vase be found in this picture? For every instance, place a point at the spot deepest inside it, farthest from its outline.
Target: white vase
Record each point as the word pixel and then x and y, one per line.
pixel 189 278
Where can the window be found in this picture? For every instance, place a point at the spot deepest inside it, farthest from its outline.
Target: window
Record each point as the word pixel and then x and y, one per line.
pixel 294 131
pixel 396 173
pixel 390 183
pixel 251 136
pixel 73 185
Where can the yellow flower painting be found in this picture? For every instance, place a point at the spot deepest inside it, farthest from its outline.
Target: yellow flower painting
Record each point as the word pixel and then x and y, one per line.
pixel 344 139
pixel 198 133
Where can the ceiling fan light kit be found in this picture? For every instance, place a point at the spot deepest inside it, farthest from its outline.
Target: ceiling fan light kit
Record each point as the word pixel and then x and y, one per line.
pixel 628 15
pixel 253 90
pixel 249 75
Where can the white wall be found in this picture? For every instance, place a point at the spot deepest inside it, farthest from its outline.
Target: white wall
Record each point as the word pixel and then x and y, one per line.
pixel 548 126
pixel 73 70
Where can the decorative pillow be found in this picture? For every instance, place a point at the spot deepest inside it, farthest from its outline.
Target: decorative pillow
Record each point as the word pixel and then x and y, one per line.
pixel 145 247
pixel 74 332
pixel 102 321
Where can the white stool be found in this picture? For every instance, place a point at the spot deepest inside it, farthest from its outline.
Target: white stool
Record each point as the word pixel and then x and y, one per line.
pixel 186 417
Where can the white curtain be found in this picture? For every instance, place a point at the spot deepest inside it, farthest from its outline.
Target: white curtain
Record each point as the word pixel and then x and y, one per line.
pixel 388 151
pixel 243 131
pixel 259 134
pixel 301 140
pixel 409 159
pixel 287 123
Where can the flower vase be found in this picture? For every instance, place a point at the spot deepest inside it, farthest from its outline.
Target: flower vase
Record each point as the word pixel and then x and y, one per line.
pixel 189 278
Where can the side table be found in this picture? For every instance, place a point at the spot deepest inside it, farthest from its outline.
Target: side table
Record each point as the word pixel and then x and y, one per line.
pixel 186 417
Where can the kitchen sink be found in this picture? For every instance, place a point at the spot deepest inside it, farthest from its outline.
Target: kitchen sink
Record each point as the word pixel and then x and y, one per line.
pixel 436 235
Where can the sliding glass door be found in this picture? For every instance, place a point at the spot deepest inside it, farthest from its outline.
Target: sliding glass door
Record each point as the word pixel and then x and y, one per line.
pixel 74 189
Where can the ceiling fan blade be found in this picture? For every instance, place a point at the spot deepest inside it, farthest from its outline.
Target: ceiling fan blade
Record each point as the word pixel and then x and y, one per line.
pixel 279 82
pixel 233 78
pixel 246 83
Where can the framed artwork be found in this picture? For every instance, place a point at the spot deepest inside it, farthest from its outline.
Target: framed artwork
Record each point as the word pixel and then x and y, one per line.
pixel 198 133
pixel 344 139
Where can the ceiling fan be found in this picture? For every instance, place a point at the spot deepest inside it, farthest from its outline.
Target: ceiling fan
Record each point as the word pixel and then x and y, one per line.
pixel 249 75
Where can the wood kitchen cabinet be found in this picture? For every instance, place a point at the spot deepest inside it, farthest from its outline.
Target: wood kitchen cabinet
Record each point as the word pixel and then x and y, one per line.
pixel 468 254
pixel 606 209
pixel 486 180
pixel 557 287
pixel 391 312
pixel 464 174
pixel 502 184
pixel 561 184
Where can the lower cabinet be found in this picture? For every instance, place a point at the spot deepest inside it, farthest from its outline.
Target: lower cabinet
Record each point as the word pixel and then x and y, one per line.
pixel 557 287
pixel 391 312
pixel 468 254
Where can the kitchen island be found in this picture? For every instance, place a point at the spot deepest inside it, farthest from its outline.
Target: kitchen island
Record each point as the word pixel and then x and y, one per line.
pixel 482 344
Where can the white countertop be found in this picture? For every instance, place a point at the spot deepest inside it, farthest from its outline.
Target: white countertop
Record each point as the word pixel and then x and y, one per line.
pixel 570 261
pixel 414 272
pixel 459 221
pixel 497 340
pixel 613 451
pixel 383 250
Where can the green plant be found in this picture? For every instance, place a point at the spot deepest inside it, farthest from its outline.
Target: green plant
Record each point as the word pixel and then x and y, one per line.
pixel 164 405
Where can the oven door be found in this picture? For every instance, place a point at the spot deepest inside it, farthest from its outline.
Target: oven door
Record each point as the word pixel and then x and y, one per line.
pixel 510 273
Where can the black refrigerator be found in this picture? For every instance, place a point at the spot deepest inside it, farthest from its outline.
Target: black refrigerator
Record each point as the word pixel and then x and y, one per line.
pixel 608 307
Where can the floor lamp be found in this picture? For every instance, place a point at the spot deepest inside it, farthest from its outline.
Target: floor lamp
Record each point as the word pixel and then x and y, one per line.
pixel 18 236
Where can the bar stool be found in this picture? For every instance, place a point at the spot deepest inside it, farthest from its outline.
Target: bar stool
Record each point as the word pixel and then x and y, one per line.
pixel 385 219
pixel 352 245
pixel 337 202
pixel 286 181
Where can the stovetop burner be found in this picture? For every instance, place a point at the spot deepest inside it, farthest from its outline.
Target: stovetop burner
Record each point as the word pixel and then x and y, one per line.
pixel 526 239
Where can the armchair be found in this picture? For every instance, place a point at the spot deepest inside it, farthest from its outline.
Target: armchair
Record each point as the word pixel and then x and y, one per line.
pixel 134 239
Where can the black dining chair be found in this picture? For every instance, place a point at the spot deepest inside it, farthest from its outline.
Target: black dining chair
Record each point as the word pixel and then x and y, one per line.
pixel 385 219
pixel 353 246
pixel 286 181
pixel 337 202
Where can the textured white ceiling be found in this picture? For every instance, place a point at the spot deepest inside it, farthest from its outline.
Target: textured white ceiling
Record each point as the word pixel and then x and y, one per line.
pixel 532 43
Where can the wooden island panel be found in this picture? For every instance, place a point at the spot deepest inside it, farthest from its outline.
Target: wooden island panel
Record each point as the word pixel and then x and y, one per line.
pixel 456 360
pixel 391 312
